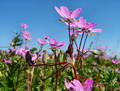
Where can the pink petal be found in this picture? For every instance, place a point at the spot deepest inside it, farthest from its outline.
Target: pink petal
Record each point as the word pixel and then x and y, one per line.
pixel 52 44
pixel 58 10
pixel 60 44
pixel 53 41
pixel 78 85
pixel 25 32
pixel 88 85
pixel 40 41
pixel 91 25
pixel 24 26
pixel 75 13
pixel 81 23
pixel 7 61
pixel 65 11
pixel 96 30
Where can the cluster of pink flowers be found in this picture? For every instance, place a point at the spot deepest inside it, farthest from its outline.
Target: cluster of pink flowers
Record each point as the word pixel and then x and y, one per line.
pixel 25 33
pixel 81 23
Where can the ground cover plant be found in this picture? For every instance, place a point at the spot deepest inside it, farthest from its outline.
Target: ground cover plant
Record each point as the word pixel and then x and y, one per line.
pixel 76 69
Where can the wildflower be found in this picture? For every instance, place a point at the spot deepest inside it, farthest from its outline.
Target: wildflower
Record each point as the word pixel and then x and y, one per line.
pixel 77 86
pixel 87 26
pixel 105 57
pixel 94 63
pixel 54 43
pixel 117 70
pixel 102 47
pixel 64 12
pixel 96 56
pixel 27 37
pixel 22 51
pixel 95 69
pixel 115 61
pixel 25 32
pixel 7 61
pixel 27 46
pixel 42 42
pixel 24 26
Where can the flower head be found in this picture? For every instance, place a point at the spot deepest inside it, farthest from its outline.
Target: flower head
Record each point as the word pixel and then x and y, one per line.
pixel 27 37
pixel 42 42
pixel 82 23
pixel 24 26
pixel 115 61
pixel 25 32
pixel 54 43
pixel 117 70
pixel 77 86
pixel 7 61
pixel 64 12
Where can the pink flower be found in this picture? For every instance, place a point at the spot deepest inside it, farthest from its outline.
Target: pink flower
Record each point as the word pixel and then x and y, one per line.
pixel 22 51
pixel 27 46
pixel 54 43
pixel 25 32
pixel 95 63
pixel 42 42
pixel 27 37
pixel 117 70
pixel 24 26
pixel 105 57
pixel 95 69
pixel 102 47
pixel 96 56
pixel 115 61
pixel 87 26
pixel 77 86
pixel 7 61
pixel 64 12
pixel 34 57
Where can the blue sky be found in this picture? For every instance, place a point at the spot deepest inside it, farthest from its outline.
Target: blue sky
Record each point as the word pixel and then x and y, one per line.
pixel 42 19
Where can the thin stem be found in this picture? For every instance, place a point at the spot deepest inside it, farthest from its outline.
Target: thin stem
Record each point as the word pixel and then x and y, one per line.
pixel 75 72
pixel 69 32
pixel 81 40
pixel 76 45
pixel 56 71
pixel 84 43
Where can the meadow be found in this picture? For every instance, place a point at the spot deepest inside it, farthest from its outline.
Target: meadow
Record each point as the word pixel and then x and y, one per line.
pixel 78 68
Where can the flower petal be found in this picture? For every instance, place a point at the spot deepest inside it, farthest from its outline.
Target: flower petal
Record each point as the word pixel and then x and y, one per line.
pixel 75 13
pixel 65 12
pixel 88 85
pixel 78 85
pixel 60 44
pixel 96 30
pixel 53 41
pixel 58 10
